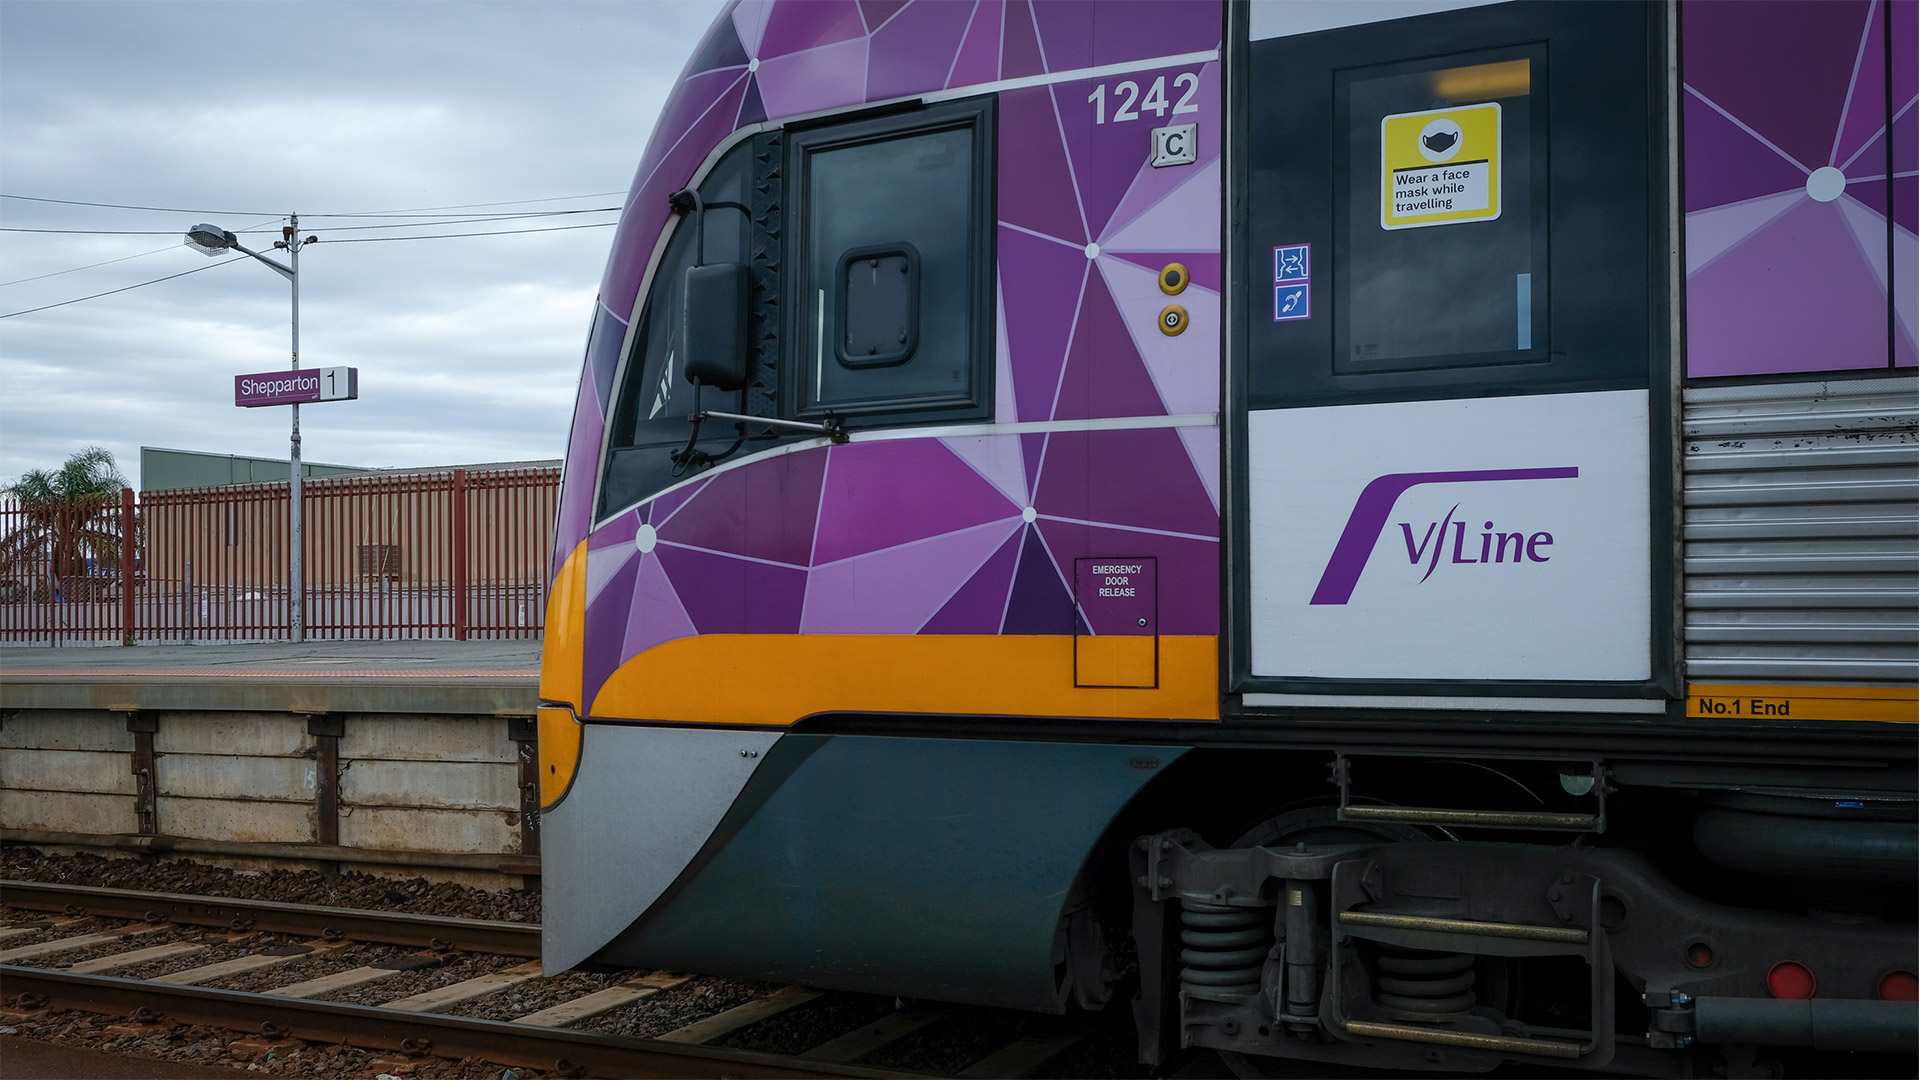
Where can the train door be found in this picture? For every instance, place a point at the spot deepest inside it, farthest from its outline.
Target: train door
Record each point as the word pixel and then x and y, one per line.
pixel 1449 404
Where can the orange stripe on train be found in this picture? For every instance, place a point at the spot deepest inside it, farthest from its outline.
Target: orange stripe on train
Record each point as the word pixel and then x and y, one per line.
pixel 777 679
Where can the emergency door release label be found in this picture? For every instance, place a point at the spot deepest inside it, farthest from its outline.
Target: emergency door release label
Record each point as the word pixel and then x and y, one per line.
pixel 1118 596
pixel 1440 167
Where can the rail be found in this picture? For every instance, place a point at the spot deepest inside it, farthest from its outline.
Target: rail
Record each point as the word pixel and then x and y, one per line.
pixel 421 1023
pixel 390 928
pixel 569 1053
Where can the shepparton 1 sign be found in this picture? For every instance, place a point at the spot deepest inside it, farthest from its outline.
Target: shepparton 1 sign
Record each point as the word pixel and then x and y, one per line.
pixel 302 387
pixel 1473 539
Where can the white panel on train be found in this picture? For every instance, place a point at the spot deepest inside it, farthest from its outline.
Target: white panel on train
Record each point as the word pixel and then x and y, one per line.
pixel 1480 538
pixel 1285 18
pixel 606 869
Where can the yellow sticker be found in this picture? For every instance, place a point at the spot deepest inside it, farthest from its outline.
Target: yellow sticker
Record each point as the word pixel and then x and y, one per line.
pixel 1440 167
pixel 1887 703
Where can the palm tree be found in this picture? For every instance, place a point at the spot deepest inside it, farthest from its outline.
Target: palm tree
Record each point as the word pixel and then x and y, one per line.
pixel 66 520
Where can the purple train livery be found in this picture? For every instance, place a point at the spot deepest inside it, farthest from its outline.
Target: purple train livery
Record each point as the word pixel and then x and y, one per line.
pixel 1376 533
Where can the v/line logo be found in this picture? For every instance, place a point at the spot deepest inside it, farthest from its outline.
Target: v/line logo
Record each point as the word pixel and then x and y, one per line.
pixel 1375 505
pixel 1493 545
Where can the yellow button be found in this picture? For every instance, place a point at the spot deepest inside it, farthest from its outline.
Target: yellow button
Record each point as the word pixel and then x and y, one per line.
pixel 1173 320
pixel 1173 279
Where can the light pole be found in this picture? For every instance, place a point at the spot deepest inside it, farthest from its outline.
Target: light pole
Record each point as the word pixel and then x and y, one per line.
pixel 212 240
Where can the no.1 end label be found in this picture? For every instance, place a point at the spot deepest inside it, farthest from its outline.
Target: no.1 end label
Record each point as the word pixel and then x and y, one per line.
pixel 1878 703
pixel 1440 167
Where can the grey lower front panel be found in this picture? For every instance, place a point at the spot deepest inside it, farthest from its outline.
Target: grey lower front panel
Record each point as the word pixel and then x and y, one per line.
pixel 932 867
pixel 643 803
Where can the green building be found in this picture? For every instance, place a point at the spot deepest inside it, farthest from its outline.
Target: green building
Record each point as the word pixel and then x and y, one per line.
pixel 169 470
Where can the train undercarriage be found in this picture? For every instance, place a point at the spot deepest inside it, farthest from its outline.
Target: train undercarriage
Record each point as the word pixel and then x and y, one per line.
pixel 1696 933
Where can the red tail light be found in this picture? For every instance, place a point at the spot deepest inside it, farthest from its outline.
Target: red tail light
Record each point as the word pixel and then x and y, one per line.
pixel 1790 980
pixel 1900 986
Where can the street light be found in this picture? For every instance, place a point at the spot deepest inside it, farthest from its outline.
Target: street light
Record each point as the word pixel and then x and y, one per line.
pixel 212 240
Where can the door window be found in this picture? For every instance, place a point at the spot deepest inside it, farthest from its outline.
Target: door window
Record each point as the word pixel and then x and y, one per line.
pixel 1444 214
pixel 892 302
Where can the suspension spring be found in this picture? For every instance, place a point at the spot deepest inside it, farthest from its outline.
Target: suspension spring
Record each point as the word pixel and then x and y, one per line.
pixel 1425 985
pixel 1223 947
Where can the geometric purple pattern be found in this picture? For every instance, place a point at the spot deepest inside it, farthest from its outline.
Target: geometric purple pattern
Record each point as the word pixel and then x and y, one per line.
pixel 940 547
pixel 1779 281
pixel 974 535
pixel 1065 181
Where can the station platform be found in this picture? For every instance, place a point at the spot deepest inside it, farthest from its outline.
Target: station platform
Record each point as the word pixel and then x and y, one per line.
pixel 430 676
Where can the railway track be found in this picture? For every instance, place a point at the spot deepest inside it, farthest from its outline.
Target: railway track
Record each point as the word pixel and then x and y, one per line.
pixel 268 916
pixel 82 959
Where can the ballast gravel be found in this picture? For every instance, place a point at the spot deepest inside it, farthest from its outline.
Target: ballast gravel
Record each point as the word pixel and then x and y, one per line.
pixel 1109 1052
pixel 453 968
pixel 350 889
pixel 44 933
pixel 246 1054
pixel 810 1025
pixel 947 1045
pixel 531 997
pixel 217 950
pixel 263 979
pixel 68 957
pixel 954 1041
pixel 676 1008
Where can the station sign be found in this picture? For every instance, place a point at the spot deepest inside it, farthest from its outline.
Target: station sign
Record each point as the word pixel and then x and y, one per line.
pixel 301 387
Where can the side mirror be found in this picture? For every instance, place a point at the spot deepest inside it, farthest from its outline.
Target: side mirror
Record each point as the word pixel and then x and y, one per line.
pixel 713 325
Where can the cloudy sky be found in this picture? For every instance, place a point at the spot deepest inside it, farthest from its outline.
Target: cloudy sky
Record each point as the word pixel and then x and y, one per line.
pixel 238 114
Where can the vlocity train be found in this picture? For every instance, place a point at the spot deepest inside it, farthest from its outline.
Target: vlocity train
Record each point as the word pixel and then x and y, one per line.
pixel 1368 533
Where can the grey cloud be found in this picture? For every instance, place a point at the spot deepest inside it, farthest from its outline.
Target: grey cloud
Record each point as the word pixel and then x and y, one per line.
pixel 468 349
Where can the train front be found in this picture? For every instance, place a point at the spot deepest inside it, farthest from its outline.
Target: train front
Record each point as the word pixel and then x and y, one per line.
pixel 896 442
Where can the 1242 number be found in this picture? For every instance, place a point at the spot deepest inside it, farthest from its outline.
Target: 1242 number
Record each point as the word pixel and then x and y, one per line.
pixel 1126 96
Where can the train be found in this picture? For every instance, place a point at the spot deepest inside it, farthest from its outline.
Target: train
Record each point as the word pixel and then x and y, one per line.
pixel 1369 534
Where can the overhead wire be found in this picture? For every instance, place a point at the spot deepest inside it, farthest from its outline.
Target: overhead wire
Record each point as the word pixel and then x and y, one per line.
pixel 450 236
pixel 348 240
pixel 124 288
pixel 89 266
pixel 468 220
pixel 124 206
pixel 99 232
pixel 476 219
pixel 469 206
pixel 110 262
pixel 413 212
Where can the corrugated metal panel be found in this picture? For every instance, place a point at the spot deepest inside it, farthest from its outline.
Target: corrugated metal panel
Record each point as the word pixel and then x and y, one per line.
pixel 1801 535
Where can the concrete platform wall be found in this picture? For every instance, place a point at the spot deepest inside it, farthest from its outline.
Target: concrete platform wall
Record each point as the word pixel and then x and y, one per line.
pixel 450 783
pixel 235 776
pixel 66 770
pixel 376 788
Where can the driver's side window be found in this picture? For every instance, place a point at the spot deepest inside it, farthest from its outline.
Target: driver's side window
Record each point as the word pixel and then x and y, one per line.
pixel 874 309
pixel 655 399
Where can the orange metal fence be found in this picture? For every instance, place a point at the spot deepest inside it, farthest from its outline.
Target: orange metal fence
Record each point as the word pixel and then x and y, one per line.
pixel 458 554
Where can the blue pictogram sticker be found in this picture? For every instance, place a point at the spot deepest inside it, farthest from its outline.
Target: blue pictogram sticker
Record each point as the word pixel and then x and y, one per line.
pixel 1292 302
pixel 1290 264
